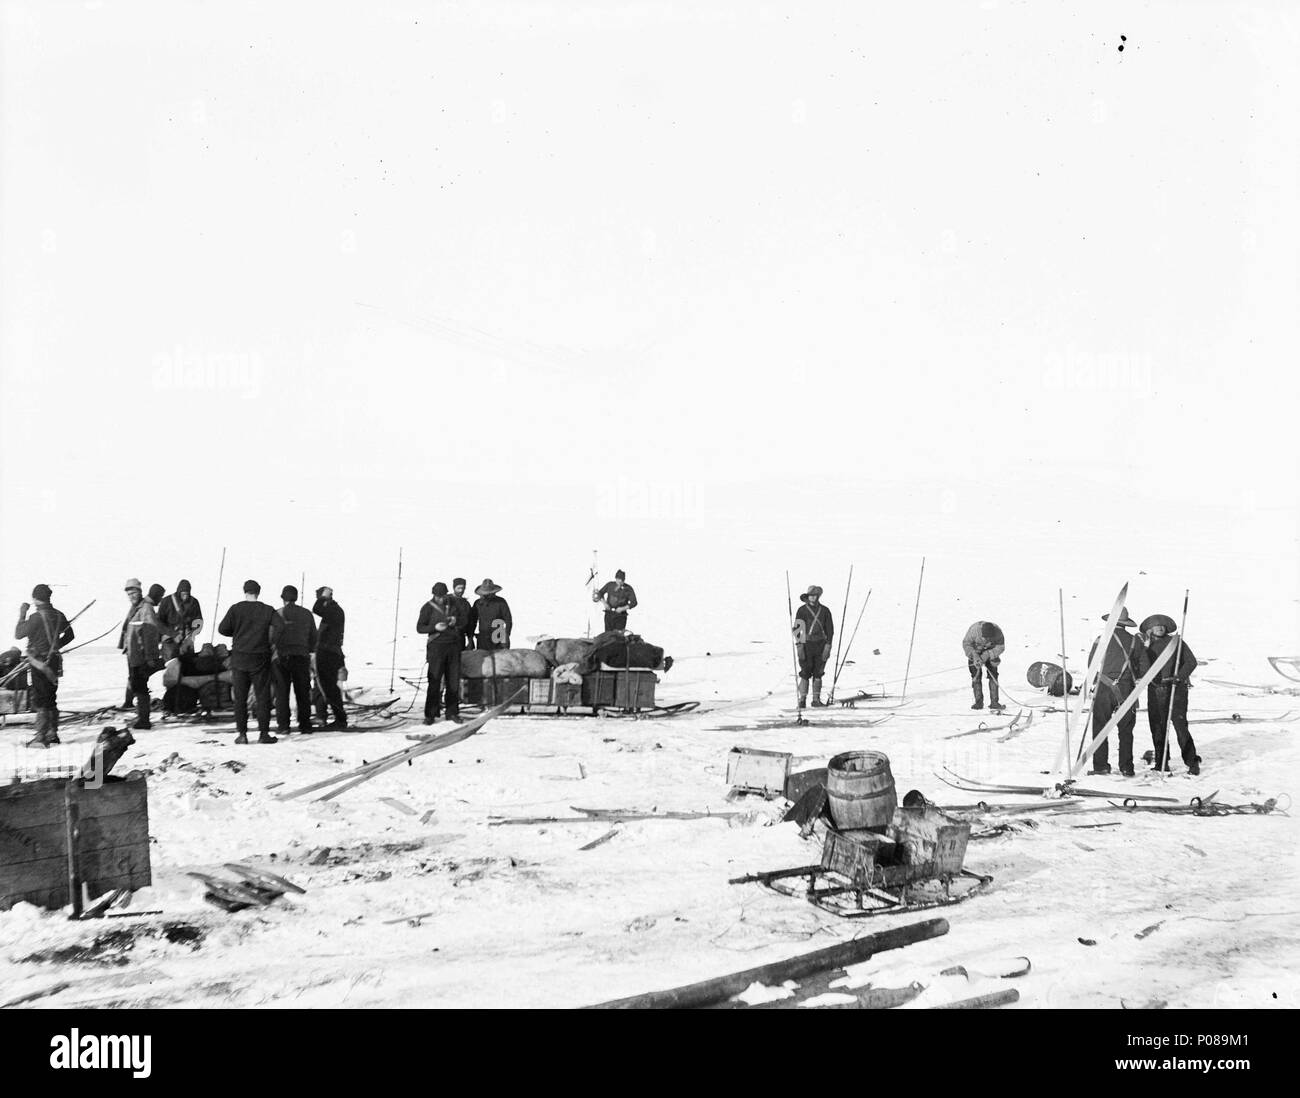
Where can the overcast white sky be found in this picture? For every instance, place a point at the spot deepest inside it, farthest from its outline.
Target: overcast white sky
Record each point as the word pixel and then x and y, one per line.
pixel 501 282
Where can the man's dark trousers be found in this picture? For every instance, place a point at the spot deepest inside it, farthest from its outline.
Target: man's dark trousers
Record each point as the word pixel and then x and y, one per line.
pixel 444 667
pixel 260 681
pixel 1104 704
pixel 295 671
pixel 328 666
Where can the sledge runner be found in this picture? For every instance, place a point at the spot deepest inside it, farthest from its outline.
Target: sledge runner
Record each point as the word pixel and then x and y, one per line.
pixel 617 597
pixel 254 629
pixel 490 617
pixel 328 658
pixel 46 632
pixel 984 645
pixel 1160 631
pixel 814 630
pixel 1124 662
pixel 139 642
pixel 461 608
pixel 438 622
pixel 291 666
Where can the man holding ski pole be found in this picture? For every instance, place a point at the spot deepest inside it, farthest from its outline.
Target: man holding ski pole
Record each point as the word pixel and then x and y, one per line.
pixel 1170 690
pixel 813 632
pixel 1125 661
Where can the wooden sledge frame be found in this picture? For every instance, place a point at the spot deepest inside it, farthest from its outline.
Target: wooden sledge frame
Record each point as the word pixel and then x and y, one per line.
pixel 886 902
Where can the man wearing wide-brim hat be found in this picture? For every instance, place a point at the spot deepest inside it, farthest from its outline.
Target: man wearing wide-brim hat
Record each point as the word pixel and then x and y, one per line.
pixel 1171 687
pixel 139 641
pixel 489 618
pixel 813 630
pixel 1124 662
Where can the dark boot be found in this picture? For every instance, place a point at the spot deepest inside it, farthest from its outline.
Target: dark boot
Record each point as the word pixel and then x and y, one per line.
pixel 142 723
pixel 52 726
pixel 266 737
pixel 242 738
pixel 994 702
pixel 40 730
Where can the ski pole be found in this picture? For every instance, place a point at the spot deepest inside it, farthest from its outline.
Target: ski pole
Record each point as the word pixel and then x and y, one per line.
pixel 397 607
pixel 794 653
pixel 217 605
pixel 849 647
pixel 835 667
pixel 1065 683
pixel 915 612
pixel 1173 686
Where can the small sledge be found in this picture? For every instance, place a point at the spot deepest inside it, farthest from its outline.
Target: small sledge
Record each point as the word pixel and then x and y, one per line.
pixel 918 863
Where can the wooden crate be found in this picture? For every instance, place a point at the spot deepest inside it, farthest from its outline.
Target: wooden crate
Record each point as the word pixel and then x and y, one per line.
pixel 760 771
pixel 623 689
pixel 853 854
pixel 14 701
pixel 933 842
pixel 112 848
pixel 489 692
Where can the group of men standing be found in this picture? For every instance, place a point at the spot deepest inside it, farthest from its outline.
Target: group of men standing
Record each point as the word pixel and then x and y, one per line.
pixel 452 625
pixel 273 652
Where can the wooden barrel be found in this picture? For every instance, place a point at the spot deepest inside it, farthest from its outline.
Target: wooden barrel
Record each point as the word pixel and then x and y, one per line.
pixel 860 790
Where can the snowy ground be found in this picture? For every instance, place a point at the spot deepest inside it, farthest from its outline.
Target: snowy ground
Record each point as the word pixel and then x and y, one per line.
pixel 452 911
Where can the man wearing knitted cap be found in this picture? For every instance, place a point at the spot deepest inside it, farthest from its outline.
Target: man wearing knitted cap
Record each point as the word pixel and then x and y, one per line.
pixel 1124 662
pixel 291 666
pixel 46 632
pixel 984 645
pixel 438 622
pixel 139 642
pixel 618 598
pixel 813 630
pixel 254 629
pixel 181 619
pixel 461 608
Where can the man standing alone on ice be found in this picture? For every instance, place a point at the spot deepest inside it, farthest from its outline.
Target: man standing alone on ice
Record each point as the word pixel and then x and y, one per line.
pixel 46 632
pixel 1124 663
pixel 813 630
pixel 438 622
pixel 1159 629
pixel 253 628
pixel 618 598
pixel 984 645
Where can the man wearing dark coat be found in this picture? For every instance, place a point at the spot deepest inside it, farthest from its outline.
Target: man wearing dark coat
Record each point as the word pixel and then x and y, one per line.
pixel 1172 684
pixel 490 618
pixel 329 659
pixel 46 632
pixel 254 629
pixel 460 606
pixel 292 664
pixel 438 622
pixel 618 598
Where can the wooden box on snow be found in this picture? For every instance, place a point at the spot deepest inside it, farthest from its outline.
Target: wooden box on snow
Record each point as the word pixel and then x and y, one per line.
pixel 489 692
pixel 13 701
pixel 760 771
pixel 112 838
pixel 630 689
